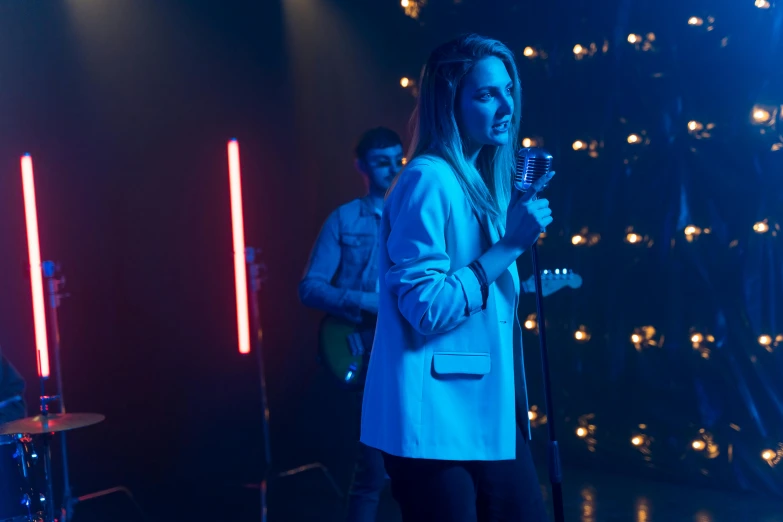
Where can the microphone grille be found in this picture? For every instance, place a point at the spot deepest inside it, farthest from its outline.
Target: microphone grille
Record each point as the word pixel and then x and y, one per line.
pixel 532 164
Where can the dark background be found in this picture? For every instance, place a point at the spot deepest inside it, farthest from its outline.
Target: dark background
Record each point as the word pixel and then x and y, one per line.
pixel 126 108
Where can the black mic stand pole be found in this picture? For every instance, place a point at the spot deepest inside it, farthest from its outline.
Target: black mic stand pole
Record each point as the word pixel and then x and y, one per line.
pixel 555 471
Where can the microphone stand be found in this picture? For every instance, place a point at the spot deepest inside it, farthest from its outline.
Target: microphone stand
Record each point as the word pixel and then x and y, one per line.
pixel 555 471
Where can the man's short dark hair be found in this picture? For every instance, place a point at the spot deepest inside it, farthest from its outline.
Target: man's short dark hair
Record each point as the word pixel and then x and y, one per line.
pixel 377 138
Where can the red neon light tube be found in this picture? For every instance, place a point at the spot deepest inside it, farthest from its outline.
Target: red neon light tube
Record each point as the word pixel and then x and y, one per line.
pixel 36 278
pixel 238 227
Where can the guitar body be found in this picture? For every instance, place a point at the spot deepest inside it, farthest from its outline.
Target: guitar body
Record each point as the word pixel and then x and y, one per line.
pixel 344 349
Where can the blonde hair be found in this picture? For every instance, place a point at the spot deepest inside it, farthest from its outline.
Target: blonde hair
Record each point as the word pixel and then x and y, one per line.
pixel 487 185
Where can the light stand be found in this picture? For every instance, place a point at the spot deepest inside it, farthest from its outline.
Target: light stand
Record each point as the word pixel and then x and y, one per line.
pixel 555 471
pixel 54 296
pixel 53 285
pixel 254 269
pixel 48 268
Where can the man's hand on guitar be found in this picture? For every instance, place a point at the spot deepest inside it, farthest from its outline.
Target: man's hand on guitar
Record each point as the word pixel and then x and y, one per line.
pixel 369 302
pixel 355 344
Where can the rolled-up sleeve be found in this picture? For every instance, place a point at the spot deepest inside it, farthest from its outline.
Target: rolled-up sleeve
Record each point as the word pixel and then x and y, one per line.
pixel 433 296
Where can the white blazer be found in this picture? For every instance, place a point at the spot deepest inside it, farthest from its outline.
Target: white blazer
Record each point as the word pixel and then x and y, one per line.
pixel 442 374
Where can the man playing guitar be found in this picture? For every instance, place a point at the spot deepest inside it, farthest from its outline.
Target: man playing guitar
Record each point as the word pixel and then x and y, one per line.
pixel 342 280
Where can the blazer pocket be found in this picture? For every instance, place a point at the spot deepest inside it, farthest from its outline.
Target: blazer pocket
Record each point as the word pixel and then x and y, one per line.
pixel 467 363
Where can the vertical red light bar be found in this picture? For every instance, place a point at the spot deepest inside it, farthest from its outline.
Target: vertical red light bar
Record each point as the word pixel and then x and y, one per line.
pixel 36 278
pixel 238 227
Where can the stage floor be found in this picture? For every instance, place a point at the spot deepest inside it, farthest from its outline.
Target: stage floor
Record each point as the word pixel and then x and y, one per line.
pixel 324 428
pixel 589 497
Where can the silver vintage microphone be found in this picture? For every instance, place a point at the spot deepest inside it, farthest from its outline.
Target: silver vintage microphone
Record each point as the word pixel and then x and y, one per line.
pixel 532 165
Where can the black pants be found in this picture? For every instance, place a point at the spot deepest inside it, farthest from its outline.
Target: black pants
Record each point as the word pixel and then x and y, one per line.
pixel 467 491
pixel 367 483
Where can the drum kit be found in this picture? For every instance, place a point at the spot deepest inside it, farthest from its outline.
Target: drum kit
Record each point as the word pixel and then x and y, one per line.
pixel 29 498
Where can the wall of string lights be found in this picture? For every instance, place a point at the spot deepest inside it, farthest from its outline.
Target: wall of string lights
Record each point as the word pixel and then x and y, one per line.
pixel 705 324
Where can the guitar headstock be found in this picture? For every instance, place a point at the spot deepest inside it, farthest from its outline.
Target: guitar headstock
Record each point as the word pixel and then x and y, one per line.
pixel 553 280
pixel 567 276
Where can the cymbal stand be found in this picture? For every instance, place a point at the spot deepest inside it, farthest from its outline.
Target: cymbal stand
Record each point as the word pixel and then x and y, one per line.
pixel 48 501
pixel 254 269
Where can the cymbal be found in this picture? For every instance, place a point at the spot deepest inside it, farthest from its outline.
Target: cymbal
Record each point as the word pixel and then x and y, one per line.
pixel 51 423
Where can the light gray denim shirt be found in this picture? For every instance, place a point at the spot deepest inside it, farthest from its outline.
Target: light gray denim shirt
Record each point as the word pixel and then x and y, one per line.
pixel 344 261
